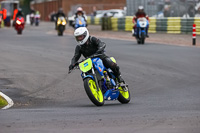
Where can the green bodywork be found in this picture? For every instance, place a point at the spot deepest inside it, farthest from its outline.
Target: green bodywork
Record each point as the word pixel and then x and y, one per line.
pixel 86 65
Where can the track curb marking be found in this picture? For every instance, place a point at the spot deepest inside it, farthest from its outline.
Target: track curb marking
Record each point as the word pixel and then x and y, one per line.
pixel 9 100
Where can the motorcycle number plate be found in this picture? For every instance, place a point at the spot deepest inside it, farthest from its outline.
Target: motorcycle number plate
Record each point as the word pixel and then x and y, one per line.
pixel 86 65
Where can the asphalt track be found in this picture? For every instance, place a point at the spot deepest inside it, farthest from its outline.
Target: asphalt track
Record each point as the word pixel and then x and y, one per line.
pixel 164 81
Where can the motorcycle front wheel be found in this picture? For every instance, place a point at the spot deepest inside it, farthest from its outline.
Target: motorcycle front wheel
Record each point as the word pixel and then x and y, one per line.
pixel 60 30
pixel 60 33
pixel 142 38
pixel 19 32
pixel 94 94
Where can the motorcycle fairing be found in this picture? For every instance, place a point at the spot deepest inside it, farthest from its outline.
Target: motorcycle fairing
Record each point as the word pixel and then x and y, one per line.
pixel 98 64
pixel 111 94
pixel 142 24
pixel 86 65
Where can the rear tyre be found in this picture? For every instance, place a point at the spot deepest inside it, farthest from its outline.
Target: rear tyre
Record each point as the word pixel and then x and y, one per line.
pixel 124 96
pixel 96 96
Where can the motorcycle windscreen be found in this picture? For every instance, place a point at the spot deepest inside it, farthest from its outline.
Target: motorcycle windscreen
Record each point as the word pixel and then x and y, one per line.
pixel 80 21
pixel 86 65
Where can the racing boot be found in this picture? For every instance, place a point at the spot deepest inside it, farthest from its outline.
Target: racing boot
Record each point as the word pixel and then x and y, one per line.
pixel 133 32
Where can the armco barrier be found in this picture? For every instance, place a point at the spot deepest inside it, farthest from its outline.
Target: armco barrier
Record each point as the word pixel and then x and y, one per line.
pixel 186 25
pixel 197 22
pixel 152 23
pixel 106 23
pixel 89 20
pixel 128 23
pixel 114 24
pixel 2 24
pixel 168 25
pixel 93 20
pixel 174 25
pixel 121 23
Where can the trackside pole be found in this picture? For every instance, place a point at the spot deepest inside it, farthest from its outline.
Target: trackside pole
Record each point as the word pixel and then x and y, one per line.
pixel 194 34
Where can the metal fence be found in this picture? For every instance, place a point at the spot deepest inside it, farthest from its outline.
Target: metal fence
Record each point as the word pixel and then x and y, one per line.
pixel 165 8
pixel 132 6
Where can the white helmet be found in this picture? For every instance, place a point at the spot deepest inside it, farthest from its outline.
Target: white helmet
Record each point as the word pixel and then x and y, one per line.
pixel 140 8
pixel 79 9
pixel 81 34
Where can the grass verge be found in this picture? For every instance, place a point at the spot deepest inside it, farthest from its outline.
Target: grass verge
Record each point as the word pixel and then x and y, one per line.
pixel 3 102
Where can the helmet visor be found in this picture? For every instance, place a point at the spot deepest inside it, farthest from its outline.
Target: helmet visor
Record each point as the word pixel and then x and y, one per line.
pixel 81 37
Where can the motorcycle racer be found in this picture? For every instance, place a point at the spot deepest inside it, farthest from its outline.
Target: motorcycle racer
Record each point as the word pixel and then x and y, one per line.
pixel 140 14
pixel 88 46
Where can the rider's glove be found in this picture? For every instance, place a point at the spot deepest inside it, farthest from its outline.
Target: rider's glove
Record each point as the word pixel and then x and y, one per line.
pixel 71 67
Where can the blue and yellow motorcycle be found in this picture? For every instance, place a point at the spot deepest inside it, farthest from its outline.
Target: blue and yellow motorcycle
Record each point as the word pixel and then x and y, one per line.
pixel 100 83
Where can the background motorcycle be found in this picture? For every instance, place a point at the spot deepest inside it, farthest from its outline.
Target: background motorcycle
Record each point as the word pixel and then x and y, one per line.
pixel 100 83
pixel 19 25
pixel 37 19
pixel 61 25
pixel 142 25
pixel 32 17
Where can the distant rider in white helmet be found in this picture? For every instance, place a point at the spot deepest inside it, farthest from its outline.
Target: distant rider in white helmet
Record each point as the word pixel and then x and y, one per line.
pixel 88 46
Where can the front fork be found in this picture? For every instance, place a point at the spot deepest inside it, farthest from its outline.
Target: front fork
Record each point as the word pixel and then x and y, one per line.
pixel 95 79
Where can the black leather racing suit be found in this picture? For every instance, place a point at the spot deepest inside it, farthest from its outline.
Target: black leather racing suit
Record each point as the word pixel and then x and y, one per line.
pixel 19 14
pixel 95 46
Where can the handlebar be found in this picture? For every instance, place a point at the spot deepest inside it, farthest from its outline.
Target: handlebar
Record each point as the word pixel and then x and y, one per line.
pixel 94 55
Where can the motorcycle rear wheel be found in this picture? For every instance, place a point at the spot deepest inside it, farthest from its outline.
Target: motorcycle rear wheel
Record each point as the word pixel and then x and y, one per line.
pixel 96 96
pixel 124 96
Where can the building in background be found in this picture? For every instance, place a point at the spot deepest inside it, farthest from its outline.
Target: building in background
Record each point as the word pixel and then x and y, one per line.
pixel 46 7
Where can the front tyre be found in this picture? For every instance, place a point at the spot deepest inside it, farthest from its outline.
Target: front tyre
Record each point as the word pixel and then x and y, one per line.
pixel 124 96
pixel 19 32
pixel 96 96
pixel 142 38
pixel 60 33
pixel 37 24
pixel 60 30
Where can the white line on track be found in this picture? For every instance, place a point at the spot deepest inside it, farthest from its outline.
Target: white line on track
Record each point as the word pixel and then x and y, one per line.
pixel 9 100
